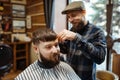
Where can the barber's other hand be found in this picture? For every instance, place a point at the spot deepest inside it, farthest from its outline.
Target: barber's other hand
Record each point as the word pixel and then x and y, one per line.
pixel 66 35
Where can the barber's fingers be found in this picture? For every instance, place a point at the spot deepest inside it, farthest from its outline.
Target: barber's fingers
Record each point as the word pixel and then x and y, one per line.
pixel 61 36
pixel 66 35
pixel 62 33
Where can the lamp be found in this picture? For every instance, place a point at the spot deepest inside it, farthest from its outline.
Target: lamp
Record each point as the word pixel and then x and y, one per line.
pixel 1 6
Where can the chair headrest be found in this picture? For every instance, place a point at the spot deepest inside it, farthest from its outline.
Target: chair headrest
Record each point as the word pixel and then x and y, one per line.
pixel 6 54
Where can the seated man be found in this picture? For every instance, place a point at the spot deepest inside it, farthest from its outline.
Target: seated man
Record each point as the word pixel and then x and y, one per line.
pixel 48 66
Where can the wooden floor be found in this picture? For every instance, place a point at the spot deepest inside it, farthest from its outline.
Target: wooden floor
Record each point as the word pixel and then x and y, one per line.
pixel 11 75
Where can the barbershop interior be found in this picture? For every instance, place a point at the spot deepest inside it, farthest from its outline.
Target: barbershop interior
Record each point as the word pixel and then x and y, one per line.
pixel 19 18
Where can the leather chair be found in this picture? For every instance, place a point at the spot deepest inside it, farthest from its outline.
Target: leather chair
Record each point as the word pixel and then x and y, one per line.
pixel 6 56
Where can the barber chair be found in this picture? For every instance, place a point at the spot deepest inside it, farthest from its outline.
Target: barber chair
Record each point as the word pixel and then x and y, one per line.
pixel 6 56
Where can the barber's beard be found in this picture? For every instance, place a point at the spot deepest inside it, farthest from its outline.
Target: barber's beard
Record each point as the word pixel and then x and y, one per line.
pixel 48 63
pixel 79 26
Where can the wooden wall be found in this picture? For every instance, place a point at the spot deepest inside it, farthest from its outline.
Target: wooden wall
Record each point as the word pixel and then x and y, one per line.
pixel 35 9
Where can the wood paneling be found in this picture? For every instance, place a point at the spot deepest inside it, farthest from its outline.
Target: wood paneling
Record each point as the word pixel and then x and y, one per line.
pixel 35 9
pixel 34 27
pixel 31 2
pixel 38 19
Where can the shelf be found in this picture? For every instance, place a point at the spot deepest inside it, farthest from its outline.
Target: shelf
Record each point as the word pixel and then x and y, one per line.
pixel 37 4
pixel 37 14
pixel 19 58
pixel 5 32
pixel 6 4
pixel 20 50
pixel 38 24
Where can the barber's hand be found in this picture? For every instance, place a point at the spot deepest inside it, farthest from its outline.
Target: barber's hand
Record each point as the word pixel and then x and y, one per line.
pixel 66 35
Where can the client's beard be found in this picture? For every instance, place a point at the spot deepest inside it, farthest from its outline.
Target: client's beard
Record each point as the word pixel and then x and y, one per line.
pixel 48 63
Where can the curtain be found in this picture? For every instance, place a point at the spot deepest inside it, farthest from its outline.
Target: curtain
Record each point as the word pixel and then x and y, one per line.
pixel 49 13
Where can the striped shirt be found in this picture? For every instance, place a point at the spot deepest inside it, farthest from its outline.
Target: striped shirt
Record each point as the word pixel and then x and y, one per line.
pixel 60 72
pixel 87 49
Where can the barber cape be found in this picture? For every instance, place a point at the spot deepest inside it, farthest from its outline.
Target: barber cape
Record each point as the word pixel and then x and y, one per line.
pixel 62 71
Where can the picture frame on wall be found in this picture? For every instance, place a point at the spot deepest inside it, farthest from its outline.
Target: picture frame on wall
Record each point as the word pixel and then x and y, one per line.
pixel 28 22
pixel 18 10
pixel 19 25
pixel 6 23
pixel 19 1
pixel 6 27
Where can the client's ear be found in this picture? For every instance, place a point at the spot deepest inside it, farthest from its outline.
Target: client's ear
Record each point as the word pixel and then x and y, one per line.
pixel 35 48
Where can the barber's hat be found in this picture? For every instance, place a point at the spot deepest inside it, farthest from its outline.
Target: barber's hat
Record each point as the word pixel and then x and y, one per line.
pixel 76 5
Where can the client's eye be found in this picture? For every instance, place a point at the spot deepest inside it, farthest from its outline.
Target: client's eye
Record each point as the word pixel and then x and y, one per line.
pixel 49 47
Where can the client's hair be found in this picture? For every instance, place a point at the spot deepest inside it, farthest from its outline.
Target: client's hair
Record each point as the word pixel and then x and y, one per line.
pixel 43 34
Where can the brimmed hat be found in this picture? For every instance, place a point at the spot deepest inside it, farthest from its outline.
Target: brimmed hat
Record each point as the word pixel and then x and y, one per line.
pixel 76 5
